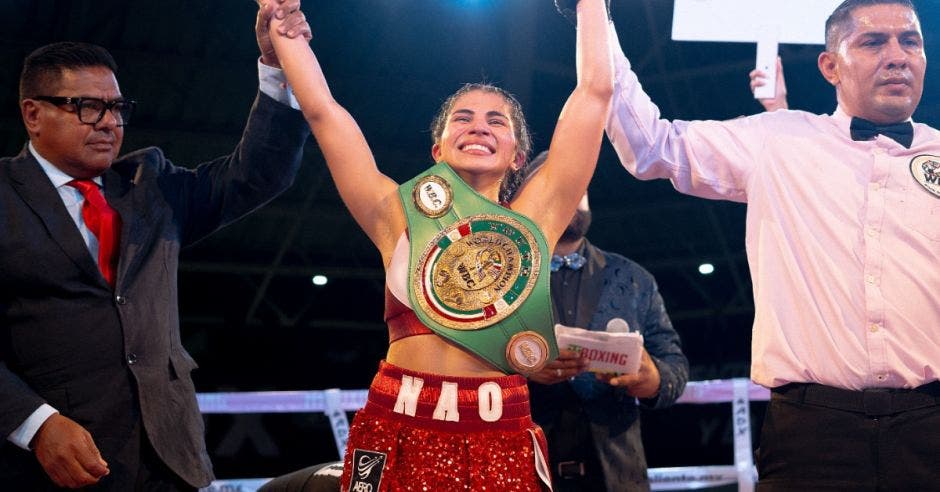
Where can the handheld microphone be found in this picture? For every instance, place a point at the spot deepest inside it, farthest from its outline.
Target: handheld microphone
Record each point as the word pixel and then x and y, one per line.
pixel 618 325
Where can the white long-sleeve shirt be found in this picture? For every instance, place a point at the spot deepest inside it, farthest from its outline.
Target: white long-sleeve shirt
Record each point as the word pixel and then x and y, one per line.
pixel 842 241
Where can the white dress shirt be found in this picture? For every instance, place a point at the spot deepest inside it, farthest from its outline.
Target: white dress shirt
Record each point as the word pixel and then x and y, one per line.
pixel 843 243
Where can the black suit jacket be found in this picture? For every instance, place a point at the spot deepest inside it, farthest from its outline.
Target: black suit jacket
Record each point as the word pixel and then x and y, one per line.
pixel 604 421
pixel 112 359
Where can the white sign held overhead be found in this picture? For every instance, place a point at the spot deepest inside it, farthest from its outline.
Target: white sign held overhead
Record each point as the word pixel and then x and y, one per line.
pixel 799 21
pixel 767 62
pixel 765 22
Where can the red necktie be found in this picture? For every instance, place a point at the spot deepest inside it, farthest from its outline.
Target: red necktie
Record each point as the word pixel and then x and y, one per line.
pixel 104 222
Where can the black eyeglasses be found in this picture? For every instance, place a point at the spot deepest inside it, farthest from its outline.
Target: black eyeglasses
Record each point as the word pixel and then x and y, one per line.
pixel 90 110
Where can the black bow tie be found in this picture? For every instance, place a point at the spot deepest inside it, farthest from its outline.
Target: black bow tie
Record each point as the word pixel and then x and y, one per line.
pixel 902 133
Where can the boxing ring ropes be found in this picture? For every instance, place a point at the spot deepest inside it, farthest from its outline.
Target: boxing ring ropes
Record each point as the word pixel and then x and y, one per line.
pixel 335 403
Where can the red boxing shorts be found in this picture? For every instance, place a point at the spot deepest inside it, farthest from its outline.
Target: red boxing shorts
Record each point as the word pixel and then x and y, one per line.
pixel 421 431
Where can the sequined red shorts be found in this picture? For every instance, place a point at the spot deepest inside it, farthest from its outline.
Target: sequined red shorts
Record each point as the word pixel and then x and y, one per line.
pixel 426 432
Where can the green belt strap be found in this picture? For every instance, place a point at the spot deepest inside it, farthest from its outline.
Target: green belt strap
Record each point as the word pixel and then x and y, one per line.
pixel 476 274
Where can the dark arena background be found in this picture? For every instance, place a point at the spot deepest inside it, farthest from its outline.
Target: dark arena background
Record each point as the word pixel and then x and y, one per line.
pixel 251 314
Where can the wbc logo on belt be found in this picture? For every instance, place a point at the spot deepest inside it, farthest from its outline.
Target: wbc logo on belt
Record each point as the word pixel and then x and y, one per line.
pixel 476 271
pixel 926 170
pixel 433 196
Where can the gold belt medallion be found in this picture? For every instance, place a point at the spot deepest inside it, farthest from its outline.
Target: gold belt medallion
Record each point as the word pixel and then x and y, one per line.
pixel 527 352
pixel 433 196
pixel 476 272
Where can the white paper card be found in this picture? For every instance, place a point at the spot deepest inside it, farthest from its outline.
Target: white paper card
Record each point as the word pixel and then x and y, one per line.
pixel 606 352
pixel 799 21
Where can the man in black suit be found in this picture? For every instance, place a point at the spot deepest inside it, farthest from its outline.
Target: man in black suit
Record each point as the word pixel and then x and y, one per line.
pixel 591 421
pixel 95 385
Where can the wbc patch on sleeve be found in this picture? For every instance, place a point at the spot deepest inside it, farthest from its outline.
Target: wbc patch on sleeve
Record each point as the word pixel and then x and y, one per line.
pixel 926 171
pixel 367 470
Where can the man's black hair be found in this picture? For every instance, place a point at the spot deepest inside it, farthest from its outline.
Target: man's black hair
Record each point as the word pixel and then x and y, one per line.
pixel 43 68
pixel 843 15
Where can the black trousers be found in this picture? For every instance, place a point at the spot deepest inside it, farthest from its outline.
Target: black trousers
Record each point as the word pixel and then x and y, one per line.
pixel 154 476
pixel 139 470
pixel 819 438
pixel 572 457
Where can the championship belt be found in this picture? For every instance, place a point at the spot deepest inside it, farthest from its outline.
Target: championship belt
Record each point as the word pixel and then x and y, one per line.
pixel 475 274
